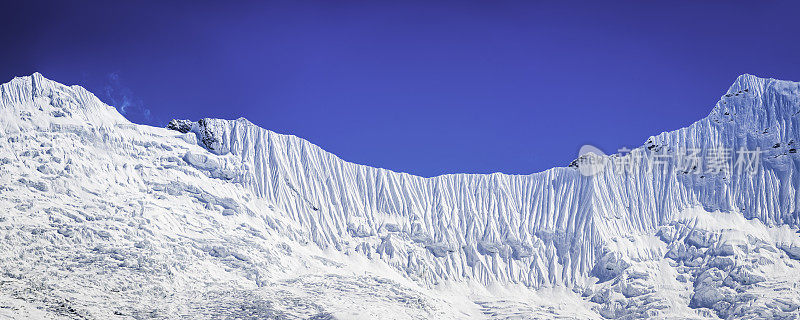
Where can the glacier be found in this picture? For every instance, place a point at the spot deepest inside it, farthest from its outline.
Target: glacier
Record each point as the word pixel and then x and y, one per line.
pixel 104 218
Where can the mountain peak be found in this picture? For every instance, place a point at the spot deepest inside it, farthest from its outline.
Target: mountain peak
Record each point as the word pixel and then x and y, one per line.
pixel 38 102
pixel 748 82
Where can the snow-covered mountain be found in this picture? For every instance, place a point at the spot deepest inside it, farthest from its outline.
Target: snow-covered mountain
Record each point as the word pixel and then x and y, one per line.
pixel 103 218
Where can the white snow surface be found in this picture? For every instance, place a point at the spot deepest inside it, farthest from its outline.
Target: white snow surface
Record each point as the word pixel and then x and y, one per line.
pixel 101 218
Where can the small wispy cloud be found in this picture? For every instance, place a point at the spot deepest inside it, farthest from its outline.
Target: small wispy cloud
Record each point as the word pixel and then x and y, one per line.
pixel 123 98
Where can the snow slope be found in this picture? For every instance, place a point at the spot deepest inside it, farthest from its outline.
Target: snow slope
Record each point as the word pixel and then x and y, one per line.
pixel 222 219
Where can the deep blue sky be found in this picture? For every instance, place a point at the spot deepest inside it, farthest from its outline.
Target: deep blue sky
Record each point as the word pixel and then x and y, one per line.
pixel 422 87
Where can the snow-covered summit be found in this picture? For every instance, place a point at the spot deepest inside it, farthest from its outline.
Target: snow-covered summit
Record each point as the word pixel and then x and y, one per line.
pixel 749 82
pixel 37 101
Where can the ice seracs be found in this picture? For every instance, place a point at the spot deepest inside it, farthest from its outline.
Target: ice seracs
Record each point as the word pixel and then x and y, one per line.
pixel 272 215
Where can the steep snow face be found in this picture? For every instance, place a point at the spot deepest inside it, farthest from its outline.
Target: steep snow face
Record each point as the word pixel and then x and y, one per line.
pixel 271 215
pixel 535 229
pixel 540 229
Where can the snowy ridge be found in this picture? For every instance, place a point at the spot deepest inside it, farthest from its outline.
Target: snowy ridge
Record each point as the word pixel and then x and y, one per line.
pixel 540 229
pixel 224 194
pixel 485 227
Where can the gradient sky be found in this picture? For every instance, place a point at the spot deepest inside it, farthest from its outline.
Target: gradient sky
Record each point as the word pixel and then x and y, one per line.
pixel 425 87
